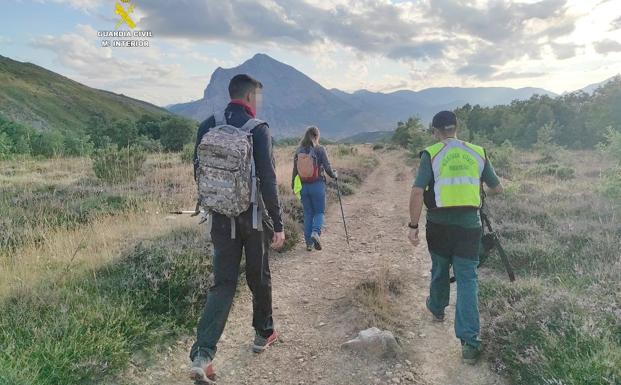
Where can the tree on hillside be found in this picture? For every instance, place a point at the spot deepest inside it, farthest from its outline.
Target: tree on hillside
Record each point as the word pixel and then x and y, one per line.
pixel 579 119
pixel 97 128
pixel 175 132
pixel 150 126
pixel 17 137
pixel 5 146
pixel 103 131
pixel 412 135
pixel 48 144
pixel 123 132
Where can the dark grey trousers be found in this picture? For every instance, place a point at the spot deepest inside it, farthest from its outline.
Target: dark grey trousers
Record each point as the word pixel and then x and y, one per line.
pixel 226 268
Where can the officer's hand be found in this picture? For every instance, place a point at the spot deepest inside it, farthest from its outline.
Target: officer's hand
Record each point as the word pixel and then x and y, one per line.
pixel 336 174
pixel 278 240
pixel 414 240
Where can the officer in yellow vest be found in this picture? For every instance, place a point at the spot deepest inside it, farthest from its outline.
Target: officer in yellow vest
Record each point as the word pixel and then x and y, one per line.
pixel 449 182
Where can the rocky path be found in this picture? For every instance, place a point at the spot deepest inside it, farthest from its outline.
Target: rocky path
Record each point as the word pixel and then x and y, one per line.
pixel 319 304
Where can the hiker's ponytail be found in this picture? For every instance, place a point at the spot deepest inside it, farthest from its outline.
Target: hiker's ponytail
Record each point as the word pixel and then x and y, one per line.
pixel 311 134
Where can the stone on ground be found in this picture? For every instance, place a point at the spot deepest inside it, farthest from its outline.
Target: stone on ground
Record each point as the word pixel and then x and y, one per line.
pixel 374 341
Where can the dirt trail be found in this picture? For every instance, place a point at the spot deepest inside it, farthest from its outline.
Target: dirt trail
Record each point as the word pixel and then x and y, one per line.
pixel 315 314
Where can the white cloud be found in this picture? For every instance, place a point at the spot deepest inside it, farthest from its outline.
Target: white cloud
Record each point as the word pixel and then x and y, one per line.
pixel 474 39
pixel 85 5
pixel 131 71
pixel 607 46
pixel 376 44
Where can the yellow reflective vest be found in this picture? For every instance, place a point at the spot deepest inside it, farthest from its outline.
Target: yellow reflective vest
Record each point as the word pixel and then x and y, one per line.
pixel 457 169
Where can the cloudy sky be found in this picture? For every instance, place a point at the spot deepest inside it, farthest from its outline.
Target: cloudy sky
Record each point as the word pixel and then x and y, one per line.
pixel 381 45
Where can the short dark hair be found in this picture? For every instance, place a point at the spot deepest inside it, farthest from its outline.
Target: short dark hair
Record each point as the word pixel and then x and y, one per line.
pixel 444 121
pixel 241 85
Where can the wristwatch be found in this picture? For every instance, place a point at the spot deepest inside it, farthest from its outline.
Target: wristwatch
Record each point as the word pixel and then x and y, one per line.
pixel 410 225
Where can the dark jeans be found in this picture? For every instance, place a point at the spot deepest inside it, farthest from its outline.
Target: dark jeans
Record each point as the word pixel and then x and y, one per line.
pixel 226 263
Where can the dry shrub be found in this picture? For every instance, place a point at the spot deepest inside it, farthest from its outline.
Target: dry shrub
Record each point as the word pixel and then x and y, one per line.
pixel 560 324
pixel 115 165
pixel 377 296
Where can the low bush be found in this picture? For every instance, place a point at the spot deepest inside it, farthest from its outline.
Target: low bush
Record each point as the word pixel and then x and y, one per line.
pixel 612 144
pixel 89 327
pixel 115 165
pixel 345 150
pixel 553 169
pixel 611 184
pixel 293 233
pixel 176 132
pixel 286 142
pixel 292 215
pixel 548 336
pixel 149 144
pixel 187 154
pixel 28 212
pixel 502 158
pixel 559 322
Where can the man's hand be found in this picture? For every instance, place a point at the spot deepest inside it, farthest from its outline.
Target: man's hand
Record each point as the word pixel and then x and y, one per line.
pixel 414 240
pixel 278 240
pixel 495 191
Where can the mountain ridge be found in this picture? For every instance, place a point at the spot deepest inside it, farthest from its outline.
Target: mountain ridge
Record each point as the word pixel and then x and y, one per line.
pixel 293 100
pixel 43 99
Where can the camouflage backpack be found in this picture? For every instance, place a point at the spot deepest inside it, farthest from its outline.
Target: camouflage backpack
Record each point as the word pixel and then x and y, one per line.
pixel 226 177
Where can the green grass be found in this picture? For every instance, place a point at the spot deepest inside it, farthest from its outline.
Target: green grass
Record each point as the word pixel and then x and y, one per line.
pixel 29 212
pixel 559 323
pixel 84 325
pixel 37 97
pixel 84 328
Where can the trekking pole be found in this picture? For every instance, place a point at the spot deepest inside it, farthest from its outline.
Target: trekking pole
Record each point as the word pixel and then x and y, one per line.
pixel 193 213
pixel 338 192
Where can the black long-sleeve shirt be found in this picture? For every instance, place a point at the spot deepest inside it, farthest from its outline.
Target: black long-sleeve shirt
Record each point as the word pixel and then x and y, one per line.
pixel 322 159
pixel 263 158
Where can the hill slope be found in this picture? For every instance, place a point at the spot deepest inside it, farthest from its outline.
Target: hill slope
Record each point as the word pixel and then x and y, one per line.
pixel 592 87
pixel 368 137
pixel 293 101
pixel 43 99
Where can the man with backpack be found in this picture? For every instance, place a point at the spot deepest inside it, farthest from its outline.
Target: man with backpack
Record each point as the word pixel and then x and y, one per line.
pixel 235 171
pixel 449 182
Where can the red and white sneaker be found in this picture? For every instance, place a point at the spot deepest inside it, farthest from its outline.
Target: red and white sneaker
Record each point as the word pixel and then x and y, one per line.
pixel 202 370
pixel 261 343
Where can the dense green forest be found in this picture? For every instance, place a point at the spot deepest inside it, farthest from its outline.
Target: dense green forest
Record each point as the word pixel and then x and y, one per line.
pixel 150 133
pixel 574 121
pixel 577 120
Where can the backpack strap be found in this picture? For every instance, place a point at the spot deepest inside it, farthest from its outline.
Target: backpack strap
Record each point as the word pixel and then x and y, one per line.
pixel 220 118
pixel 251 124
pixel 257 224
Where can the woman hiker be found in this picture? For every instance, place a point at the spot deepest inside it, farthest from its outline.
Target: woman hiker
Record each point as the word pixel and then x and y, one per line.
pixel 309 163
